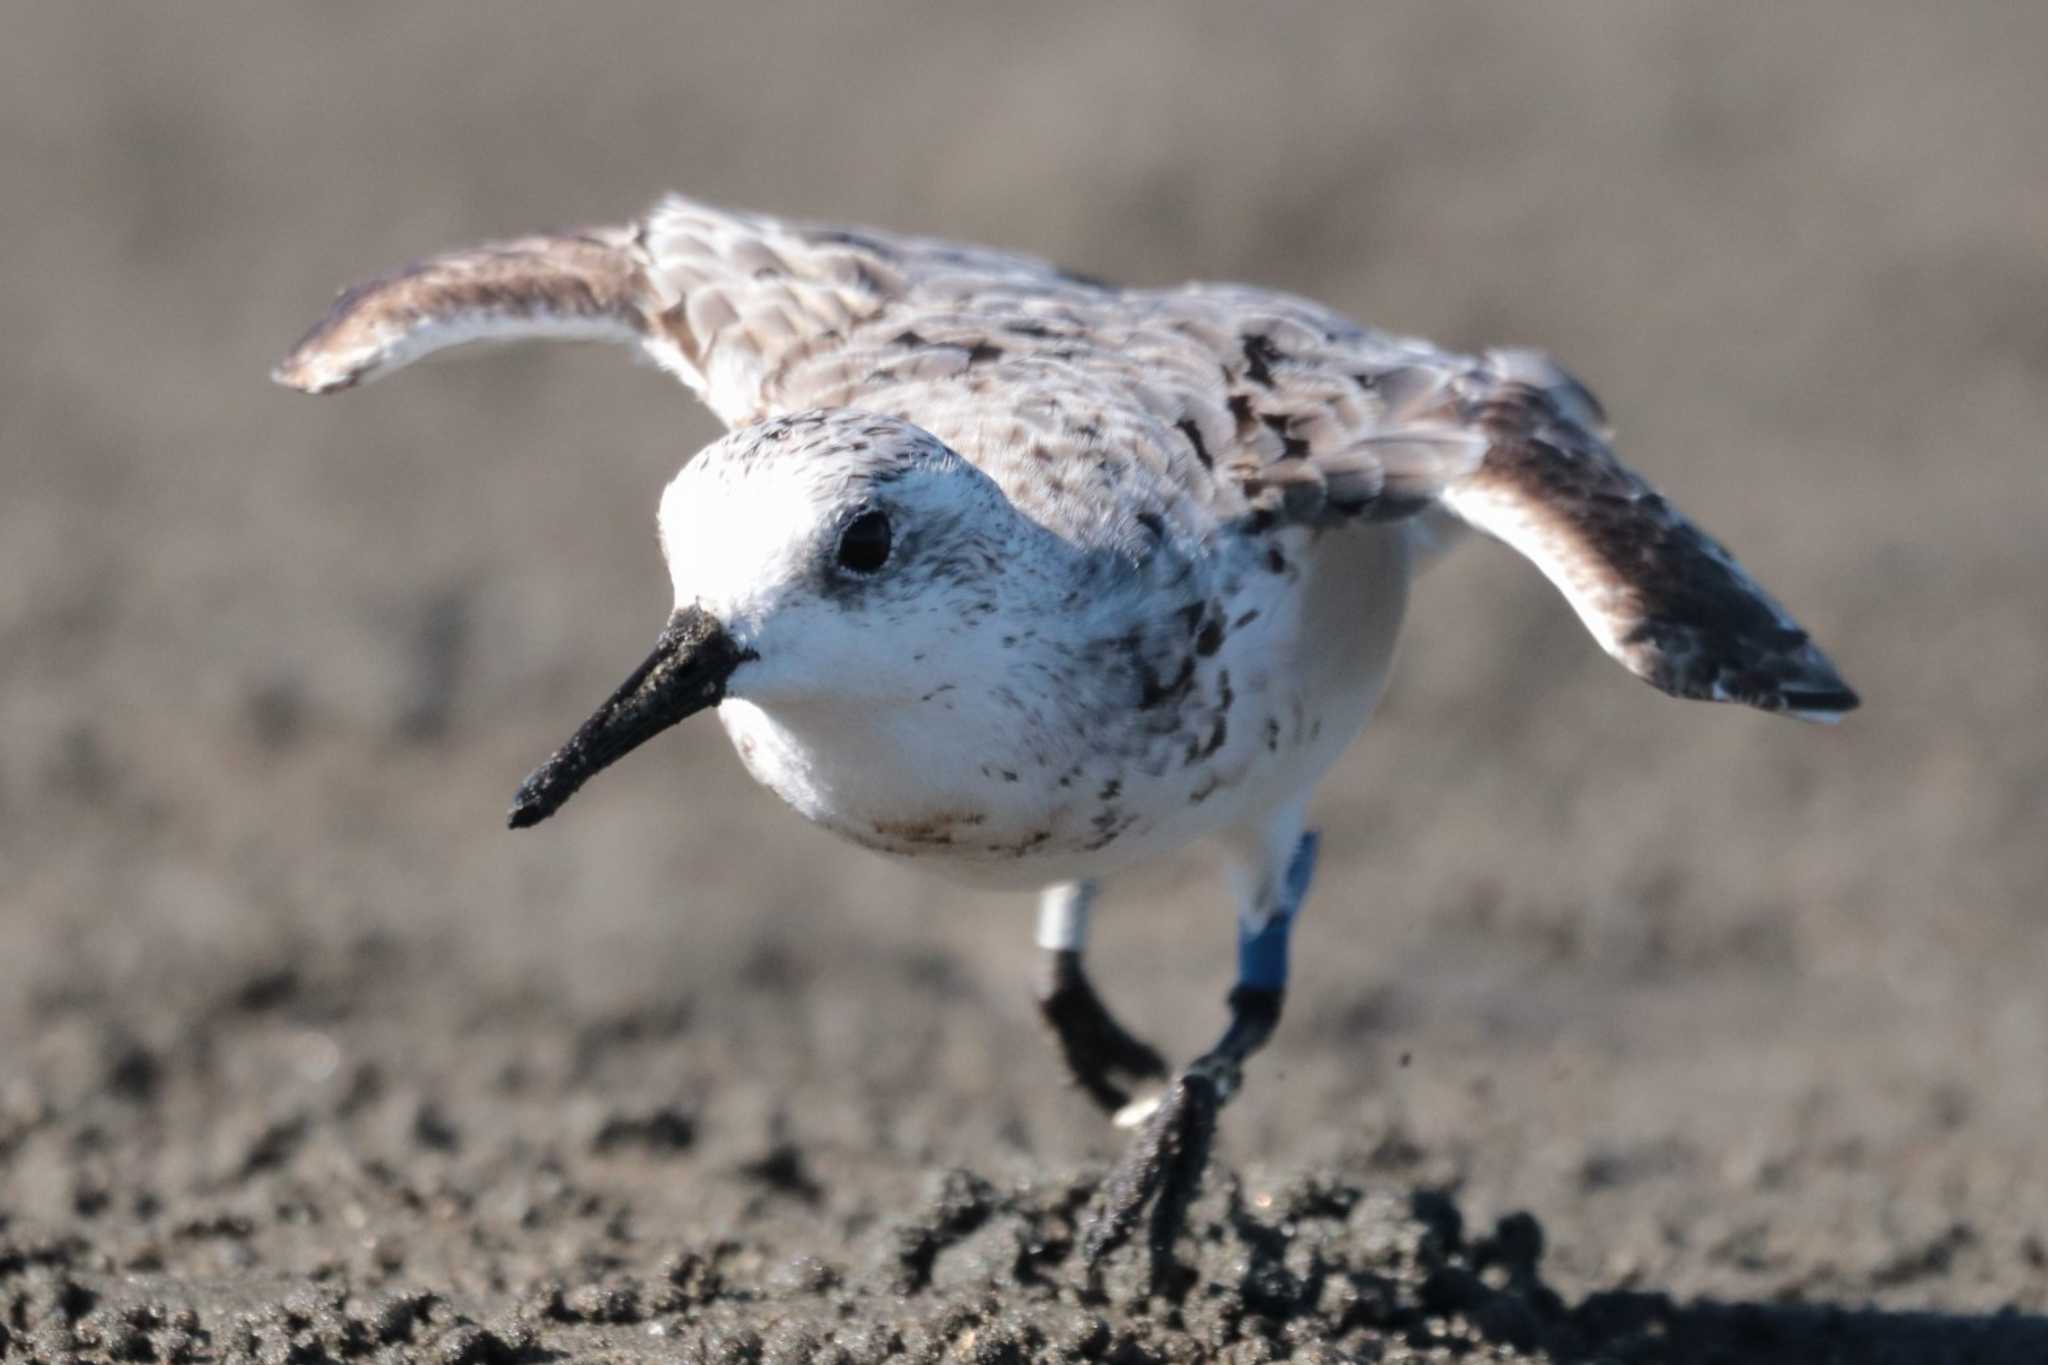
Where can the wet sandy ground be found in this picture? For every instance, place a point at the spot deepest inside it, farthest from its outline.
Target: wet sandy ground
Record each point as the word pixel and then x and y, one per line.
pixel 1624 1030
pixel 363 1149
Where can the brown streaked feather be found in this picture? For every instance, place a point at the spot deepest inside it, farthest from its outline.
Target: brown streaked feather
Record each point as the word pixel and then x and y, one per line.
pixel 583 286
pixel 728 302
pixel 1343 427
pixel 1658 593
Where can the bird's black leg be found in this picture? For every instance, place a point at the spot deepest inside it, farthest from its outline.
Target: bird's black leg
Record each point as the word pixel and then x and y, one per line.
pixel 1163 1165
pixel 1099 1051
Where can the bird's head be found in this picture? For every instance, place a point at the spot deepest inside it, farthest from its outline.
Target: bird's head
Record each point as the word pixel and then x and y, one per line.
pixel 834 555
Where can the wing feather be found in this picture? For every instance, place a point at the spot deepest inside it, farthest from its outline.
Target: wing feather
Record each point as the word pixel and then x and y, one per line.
pixel 1254 404
pixel 584 286
pixel 1512 445
pixel 726 301
pixel 1659 594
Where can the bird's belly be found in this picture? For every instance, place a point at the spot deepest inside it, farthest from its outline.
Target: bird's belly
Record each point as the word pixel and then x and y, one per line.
pixel 1263 717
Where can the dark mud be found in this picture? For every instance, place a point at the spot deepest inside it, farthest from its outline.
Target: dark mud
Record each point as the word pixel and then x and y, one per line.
pixel 297 1163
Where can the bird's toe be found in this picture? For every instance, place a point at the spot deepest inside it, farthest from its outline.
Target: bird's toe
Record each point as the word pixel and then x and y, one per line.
pixel 1161 1169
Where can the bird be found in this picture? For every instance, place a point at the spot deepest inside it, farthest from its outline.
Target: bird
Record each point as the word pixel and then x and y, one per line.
pixel 1029 578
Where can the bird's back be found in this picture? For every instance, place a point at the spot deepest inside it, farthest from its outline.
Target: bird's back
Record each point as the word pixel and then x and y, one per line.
pixel 1113 416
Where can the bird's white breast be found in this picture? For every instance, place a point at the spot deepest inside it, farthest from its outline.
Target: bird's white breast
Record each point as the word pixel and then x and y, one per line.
pixel 1008 772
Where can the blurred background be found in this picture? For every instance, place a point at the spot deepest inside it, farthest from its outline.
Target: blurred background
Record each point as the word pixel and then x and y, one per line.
pixel 1735 1006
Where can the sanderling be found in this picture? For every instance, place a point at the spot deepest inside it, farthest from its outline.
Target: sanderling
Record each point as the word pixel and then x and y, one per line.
pixel 1030 578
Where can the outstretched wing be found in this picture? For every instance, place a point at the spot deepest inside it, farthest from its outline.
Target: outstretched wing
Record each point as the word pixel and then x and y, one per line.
pixel 725 301
pixel 1509 443
pixel 1283 408
pixel 1657 592
pixel 588 286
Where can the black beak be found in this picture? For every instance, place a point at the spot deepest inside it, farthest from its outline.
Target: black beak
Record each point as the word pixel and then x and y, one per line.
pixel 685 674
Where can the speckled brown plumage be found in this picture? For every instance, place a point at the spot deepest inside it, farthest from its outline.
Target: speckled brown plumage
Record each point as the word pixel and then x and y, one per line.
pixel 1122 419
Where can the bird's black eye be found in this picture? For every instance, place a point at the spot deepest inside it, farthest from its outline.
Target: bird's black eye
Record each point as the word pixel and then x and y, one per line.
pixel 864 544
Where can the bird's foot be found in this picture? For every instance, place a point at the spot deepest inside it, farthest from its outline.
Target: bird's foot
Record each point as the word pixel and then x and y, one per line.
pixel 1102 1055
pixel 1162 1167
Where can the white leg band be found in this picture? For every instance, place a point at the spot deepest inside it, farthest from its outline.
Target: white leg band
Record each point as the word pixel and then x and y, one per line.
pixel 1063 916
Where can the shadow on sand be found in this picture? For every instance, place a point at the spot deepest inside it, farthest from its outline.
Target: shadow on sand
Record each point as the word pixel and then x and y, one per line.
pixel 1495 1284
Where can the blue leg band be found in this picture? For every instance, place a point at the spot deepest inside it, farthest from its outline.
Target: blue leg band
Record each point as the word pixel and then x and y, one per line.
pixel 1262 953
